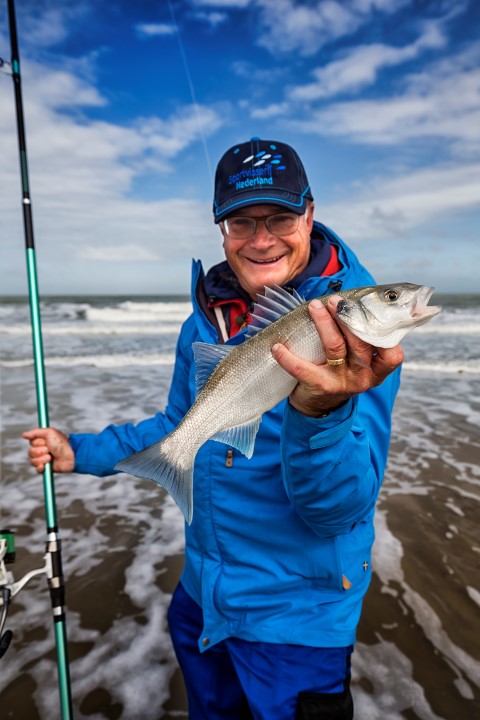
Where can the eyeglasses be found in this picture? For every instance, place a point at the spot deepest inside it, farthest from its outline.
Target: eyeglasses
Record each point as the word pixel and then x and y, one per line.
pixel 244 228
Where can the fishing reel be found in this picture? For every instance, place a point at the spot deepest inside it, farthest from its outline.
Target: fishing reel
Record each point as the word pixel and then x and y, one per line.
pixel 9 588
pixel 5 67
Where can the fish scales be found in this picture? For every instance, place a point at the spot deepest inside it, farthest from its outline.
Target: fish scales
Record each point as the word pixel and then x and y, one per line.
pixel 249 382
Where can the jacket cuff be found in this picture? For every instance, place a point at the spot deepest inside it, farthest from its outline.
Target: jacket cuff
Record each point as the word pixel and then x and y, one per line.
pixel 83 446
pixel 319 432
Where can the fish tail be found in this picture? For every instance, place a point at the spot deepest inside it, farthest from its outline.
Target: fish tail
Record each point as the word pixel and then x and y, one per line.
pixel 163 463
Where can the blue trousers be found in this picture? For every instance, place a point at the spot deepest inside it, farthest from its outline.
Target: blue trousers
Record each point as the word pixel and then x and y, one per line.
pixel 240 680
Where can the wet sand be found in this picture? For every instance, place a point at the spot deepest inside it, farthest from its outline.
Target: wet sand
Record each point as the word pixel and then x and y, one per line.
pixel 430 549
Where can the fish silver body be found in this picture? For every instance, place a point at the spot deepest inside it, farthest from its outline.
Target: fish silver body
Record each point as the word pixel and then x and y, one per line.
pixel 237 384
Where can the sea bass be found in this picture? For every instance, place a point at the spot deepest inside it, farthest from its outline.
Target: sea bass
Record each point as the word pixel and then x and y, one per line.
pixel 237 384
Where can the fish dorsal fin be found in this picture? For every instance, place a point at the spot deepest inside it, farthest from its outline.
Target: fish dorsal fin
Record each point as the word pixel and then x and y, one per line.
pixel 207 357
pixel 276 303
pixel 241 437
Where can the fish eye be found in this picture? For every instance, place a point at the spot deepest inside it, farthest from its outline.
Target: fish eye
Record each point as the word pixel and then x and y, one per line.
pixel 391 295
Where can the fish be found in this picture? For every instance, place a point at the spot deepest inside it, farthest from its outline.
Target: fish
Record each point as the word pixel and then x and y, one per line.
pixel 237 384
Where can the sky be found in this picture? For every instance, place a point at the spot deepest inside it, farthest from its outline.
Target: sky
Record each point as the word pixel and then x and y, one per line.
pixel 129 106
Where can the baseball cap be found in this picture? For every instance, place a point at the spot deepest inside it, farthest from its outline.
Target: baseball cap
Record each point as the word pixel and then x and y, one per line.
pixel 260 172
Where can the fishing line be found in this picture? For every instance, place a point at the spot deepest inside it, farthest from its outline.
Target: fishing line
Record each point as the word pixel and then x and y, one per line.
pixel 192 89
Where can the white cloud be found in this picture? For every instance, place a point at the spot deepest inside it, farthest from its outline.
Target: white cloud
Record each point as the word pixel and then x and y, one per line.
pixel 270 111
pixel 52 26
pixel 222 3
pixel 412 227
pixel 155 29
pixel 129 253
pixel 441 102
pixel 82 173
pixel 360 66
pixel 288 26
pixel 60 88
pixel 393 207
pixel 212 18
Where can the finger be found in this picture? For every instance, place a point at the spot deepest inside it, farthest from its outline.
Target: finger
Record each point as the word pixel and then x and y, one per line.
pixel 299 369
pixel 360 352
pixel 38 452
pixel 329 332
pixel 38 442
pixel 386 360
pixel 36 433
pixel 41 460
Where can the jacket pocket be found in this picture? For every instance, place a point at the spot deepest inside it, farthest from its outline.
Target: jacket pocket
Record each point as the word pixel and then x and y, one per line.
pixel 355 549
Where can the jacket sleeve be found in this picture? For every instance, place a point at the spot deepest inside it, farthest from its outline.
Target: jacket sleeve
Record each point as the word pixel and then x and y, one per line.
pixel 97 454
pixel 333 467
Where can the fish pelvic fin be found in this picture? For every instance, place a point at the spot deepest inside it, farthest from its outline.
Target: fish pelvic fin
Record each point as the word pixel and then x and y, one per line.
pixel 270 307
pixel 165 465
pixel 241 437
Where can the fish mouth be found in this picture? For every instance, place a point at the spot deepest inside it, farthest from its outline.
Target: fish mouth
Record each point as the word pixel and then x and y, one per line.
pixel 421 310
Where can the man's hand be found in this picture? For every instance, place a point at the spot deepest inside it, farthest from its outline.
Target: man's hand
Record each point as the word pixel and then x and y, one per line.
pixel 324 387
pixel 47 445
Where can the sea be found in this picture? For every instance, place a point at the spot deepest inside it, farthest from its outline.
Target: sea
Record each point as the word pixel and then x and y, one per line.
pixel 110 360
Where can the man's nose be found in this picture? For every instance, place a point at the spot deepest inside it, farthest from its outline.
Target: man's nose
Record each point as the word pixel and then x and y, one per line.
pixel 262 235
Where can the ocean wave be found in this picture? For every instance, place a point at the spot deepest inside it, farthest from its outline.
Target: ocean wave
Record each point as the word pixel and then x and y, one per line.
pixel 168 326
pixel 84 329
pixel 139 312
pixel 449 367
pixel 100 361
pixel 451 328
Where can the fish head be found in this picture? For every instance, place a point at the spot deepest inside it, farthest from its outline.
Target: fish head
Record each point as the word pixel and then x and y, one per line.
pixel 382 315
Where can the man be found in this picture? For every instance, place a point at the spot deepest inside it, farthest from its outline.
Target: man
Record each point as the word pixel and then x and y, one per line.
pixel 277 557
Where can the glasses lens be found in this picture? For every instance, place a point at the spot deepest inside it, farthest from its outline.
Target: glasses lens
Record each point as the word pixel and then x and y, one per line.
pixel 245 227
pixel 240 227
pixel 282 224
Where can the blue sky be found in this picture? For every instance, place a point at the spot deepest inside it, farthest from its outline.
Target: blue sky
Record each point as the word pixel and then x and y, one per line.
pixel 129 105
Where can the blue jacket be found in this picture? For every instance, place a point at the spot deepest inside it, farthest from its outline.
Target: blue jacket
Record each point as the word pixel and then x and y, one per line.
pixel 279 549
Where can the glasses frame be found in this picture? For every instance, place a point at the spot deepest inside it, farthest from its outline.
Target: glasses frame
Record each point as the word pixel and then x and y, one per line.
pixel 254 224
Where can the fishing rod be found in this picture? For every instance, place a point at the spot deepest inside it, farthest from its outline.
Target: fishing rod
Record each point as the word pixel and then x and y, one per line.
pixel 53 558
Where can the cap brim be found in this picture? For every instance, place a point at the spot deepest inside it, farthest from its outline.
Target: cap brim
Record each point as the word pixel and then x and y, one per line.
pixel 289 201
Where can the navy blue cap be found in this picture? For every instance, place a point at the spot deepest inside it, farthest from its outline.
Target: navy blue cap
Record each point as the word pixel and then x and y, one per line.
pixel 260 172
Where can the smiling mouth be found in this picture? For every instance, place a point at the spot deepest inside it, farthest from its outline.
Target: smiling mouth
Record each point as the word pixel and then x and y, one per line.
pixel 269 261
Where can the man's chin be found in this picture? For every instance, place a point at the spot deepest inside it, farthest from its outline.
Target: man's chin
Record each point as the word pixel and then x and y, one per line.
pixel 268 280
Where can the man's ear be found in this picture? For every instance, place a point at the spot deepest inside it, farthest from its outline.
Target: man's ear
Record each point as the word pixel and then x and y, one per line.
pixel 311 211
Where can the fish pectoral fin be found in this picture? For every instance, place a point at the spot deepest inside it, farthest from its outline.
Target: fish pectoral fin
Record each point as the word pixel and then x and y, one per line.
pixel 207 357
pixel 241 437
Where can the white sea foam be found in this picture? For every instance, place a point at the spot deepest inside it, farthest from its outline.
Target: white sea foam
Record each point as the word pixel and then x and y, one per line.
pixel 474 594
pixel 448 367
pixel 450 328
pixel 393 693
pixel 84 329
pixel 138 312
pixel 99 361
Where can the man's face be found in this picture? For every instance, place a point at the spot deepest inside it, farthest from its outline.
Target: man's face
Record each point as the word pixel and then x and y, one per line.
pixel 265 259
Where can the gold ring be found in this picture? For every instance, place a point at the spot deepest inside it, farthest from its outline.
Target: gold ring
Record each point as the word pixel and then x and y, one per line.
pixel 336 363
